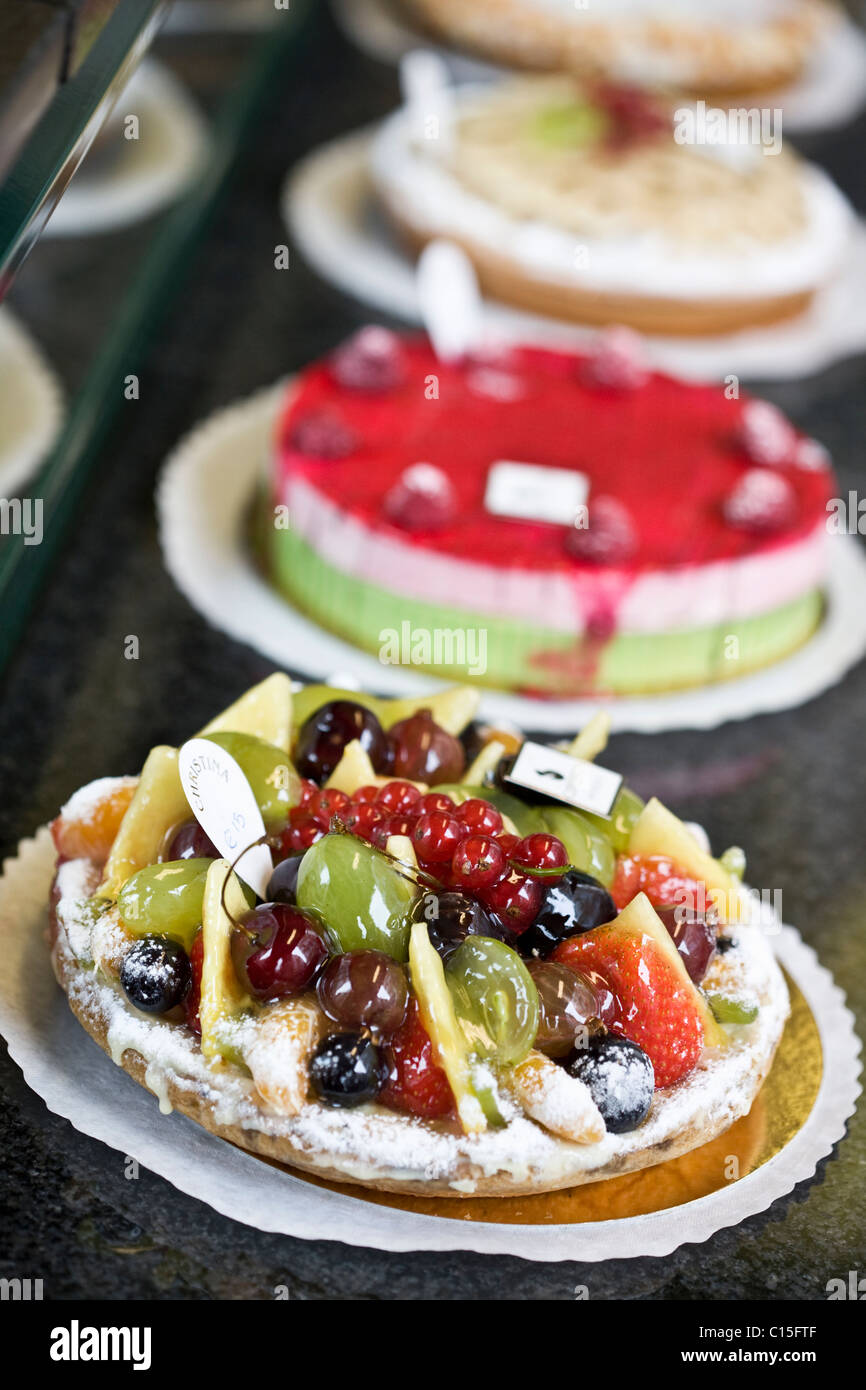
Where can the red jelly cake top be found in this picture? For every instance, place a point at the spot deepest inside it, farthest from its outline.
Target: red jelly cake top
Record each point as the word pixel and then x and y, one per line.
pixel 677 473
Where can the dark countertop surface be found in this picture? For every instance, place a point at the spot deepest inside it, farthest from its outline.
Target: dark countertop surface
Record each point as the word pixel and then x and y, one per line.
pixel 789 787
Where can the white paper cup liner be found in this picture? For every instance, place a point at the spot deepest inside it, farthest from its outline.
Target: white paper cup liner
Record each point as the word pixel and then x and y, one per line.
pixel 203 499
pixel 78 1081
pixel 831 91
pixel 31 405
pixel 329 206
pixel 144 175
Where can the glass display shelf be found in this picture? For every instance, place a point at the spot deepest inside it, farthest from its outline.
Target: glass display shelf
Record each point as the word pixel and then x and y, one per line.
pixel 191 301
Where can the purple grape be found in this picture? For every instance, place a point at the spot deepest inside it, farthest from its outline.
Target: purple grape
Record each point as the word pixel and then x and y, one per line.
pixel 327 731
pixel 364 989
pixel 191 842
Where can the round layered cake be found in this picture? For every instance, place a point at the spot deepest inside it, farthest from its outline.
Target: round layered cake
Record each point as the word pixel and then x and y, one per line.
pixel 548 522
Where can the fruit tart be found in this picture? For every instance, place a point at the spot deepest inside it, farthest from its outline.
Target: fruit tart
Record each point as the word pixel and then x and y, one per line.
pixel 454 986
pixel 718 47
pixel 689 544
pixel 589 203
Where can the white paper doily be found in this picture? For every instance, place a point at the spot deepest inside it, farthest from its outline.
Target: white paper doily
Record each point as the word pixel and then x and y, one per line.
pixel 830 92
pixel 203 499
pixel 136 178
pixel 78 1081
pixel 329 206
pixel 31 405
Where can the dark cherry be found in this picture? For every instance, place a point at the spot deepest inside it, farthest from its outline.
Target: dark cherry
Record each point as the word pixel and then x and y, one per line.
pixel 155 974
pixel 425 752
pixel 695 938
pixel 346 1069
pixel 326 733
pixel 279 951
pixel 576 903
pixel 191 842
pixel 451 917
pixel 283 882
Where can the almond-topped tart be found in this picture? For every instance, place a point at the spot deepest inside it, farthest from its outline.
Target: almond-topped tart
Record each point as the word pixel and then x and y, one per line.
pixel 604 203
pixel 543 521
pixel 447 984
pixel 710 46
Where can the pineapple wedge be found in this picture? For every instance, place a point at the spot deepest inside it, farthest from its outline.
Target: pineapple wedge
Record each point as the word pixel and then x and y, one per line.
pixel 440 1020
pixel 485 762
pixel 265 711
pixel 658 831
pixel 223 1001
pixel 592 738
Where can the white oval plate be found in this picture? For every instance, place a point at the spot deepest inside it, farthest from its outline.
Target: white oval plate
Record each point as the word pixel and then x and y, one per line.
pixel 31 405
pixel 77 1080
pixel 203 501
pixel 329 206
pixel 141 176
pixel 830 92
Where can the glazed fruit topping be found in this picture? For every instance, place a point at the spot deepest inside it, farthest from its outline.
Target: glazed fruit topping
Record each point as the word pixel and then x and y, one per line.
pixel 494 999
pixel 193 999
pixel 425 752
pixel 634 114
pixel 480 816
pixel 371 360
pixel 694 935
pixel 191 842
pixel 421 500
pixel 87 825
pixel 543 855
pixel 436 836
pixel 608 539
pixel 617 360
pixel 322 434
pixel 364 989
pixel 575 903
pixel 415 1083
pixel 279 951
pixel 515 899
pixel 567 1006
pixel 761 503
pixel 619 1075
pixel 155 974
pixel 284 881
pixel 398 797
pixel 766 435
pixel 346 1069
pixel 451 917
pixel 478 862
pixel 324 736
pixel 642 995
pixel 659 877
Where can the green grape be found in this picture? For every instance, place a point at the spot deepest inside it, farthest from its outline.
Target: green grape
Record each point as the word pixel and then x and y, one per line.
pixel 275 783
pixel 363 898
pixel 727 1010
pixel 165 899
pixel 494 998
pixel 618 826
pixel 588 848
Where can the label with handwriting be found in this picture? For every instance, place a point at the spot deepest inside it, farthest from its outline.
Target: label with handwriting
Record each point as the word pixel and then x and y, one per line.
pixel 223 803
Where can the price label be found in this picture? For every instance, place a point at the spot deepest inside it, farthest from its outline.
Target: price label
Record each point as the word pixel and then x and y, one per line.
pixel 575 781
pixel 223 803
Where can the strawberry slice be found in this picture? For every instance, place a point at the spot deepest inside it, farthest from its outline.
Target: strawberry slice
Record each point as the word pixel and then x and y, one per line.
pixel 663 881
pixel 644 989
pixel 416 1084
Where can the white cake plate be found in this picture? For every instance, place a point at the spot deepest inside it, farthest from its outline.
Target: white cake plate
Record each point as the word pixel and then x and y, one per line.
pixel 136 178
pixel 329 207
pixel 31 405
pixel 204 497
pixel 831 91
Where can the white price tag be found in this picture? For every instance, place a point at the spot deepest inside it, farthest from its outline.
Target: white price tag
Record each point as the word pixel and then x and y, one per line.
pixel 573 780
pixel 427 91
pixel 223 803
pixel 532 492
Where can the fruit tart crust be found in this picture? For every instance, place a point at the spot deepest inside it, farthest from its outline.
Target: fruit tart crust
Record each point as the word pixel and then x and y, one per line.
pixel 393 1153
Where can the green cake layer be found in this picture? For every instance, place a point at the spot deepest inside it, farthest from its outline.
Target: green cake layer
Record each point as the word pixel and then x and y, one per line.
pixel 455 642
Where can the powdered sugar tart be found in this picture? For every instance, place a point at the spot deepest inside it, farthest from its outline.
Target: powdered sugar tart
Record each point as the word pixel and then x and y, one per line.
pixel 712 46
pixel 604 204
pixel 454 988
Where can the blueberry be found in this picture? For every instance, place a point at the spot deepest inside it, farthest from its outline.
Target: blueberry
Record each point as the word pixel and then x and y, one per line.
pixel 283 881
pixel 575 903
pixel 619 1076
pixel 346 1069
pixel 155 974
pixel 451 917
